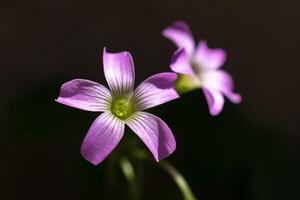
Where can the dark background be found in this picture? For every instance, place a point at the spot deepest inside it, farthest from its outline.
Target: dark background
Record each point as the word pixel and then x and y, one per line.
pixel 251 151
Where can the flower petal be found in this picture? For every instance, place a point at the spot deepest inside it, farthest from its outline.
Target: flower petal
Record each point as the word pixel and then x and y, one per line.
pixel 102 137
pixel 154 132
pixel 233 97
pixel 221 81
pixel 119 72
pixel 215 101
pixel 209 58
pixel 180 62
pixel 85 95
pixel 155 90
pixel 180 34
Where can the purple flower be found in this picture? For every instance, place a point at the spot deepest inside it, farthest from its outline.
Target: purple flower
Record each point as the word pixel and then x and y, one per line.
pixel 122 105
pixel 199 67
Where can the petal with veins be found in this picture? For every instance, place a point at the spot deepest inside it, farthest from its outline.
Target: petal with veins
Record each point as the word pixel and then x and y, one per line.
pixel 156 90
pixel 85 95
pixel 119 72
pixel 102 137
pixel 155 134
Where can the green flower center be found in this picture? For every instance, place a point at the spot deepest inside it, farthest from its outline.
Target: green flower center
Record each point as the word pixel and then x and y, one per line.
pixel 186 83
pixel 122 108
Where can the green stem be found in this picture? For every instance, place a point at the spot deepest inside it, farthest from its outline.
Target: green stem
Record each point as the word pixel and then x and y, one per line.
pixel 179 180
pixel 177 177
pixel 129 174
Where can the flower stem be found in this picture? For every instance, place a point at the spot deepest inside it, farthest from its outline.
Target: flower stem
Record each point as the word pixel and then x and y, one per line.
pixel 171 170
pixel 129 174
pixel 179 180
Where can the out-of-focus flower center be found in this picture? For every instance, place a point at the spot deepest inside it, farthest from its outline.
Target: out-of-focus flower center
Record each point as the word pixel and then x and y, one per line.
pixel 122 108
pixel 187 83
pixel 196 66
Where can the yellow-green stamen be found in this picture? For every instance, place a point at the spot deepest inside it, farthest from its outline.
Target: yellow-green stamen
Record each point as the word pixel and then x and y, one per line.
pixel 122 108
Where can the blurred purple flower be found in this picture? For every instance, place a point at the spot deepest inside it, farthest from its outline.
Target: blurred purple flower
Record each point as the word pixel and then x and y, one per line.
pixel 199 67
pixel 122 105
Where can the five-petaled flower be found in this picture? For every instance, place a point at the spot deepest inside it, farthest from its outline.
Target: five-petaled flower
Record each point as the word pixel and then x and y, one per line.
pixel 198 67
pixel 122 105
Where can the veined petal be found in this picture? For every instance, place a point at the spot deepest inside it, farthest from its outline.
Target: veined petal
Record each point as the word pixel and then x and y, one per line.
pixel 155 90
pixel 180 34
pixel 155 134
pixel 180 62
pixel 119 72
pixel 85 95
pixel 102 137
pixel 209 58
pixel 221 81
pixel 215 100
